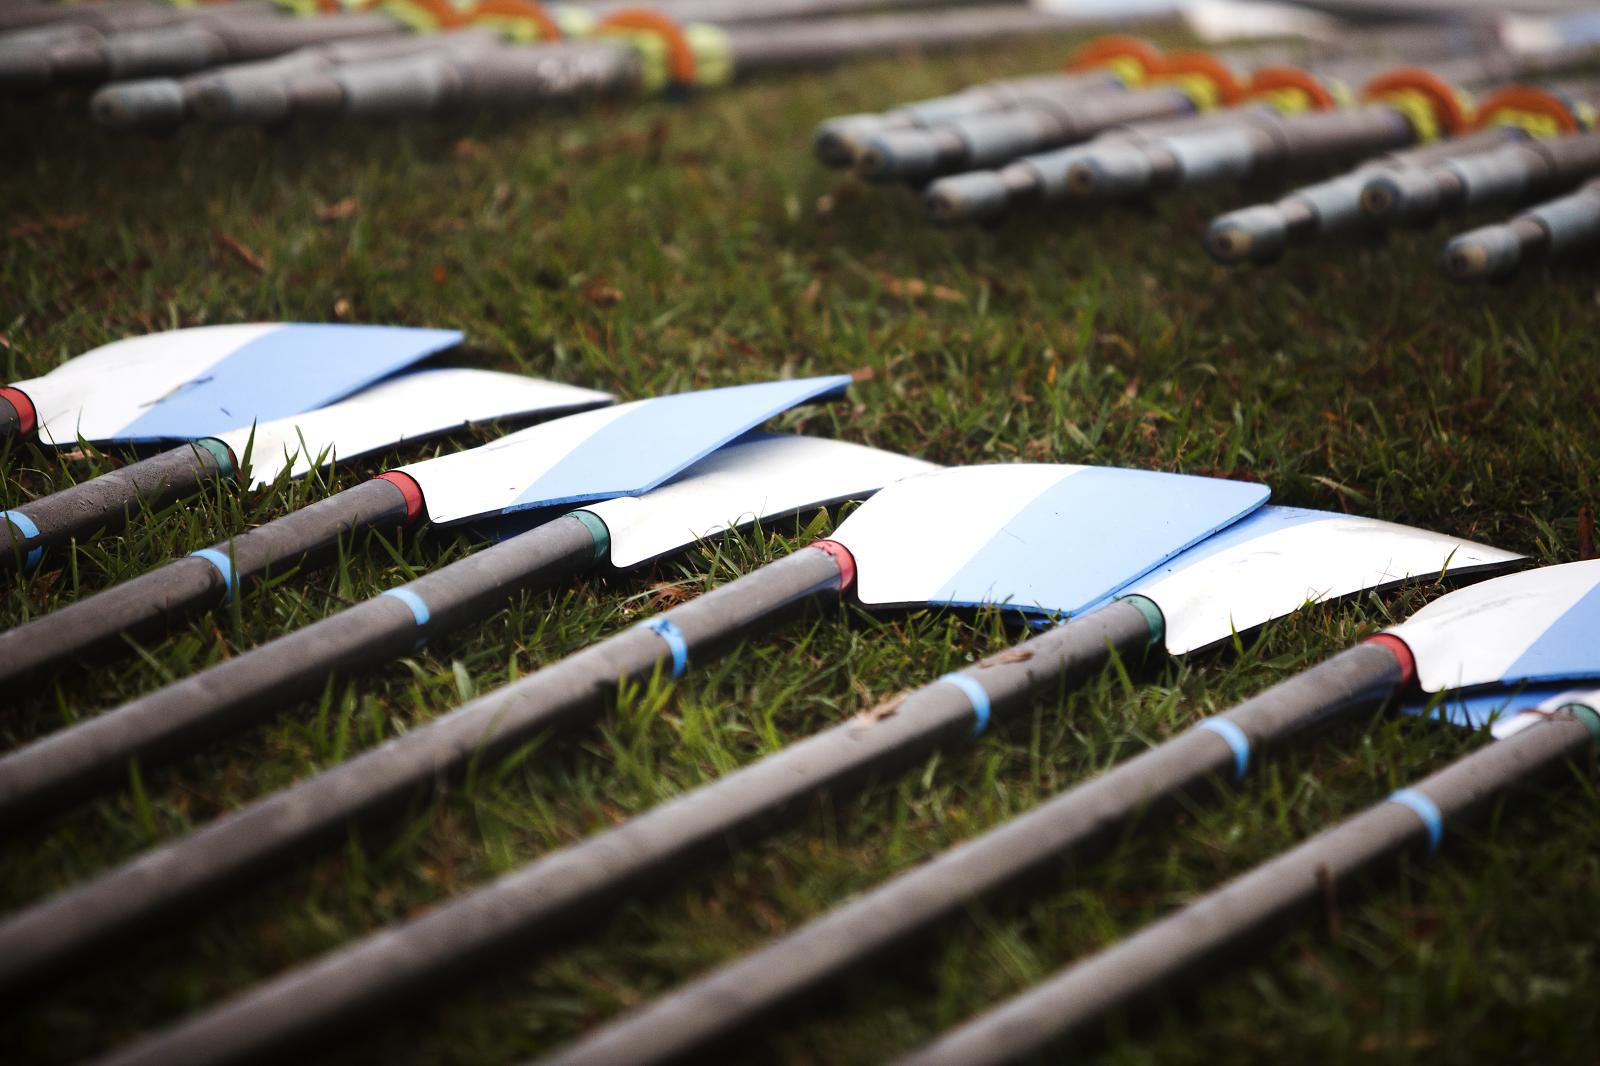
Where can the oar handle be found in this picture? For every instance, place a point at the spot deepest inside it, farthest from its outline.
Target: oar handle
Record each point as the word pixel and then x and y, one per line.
pixel 1199 937
pixel 147 605
pixel 749 989
pixel 66 766
pixel 260 838
pixel 105 502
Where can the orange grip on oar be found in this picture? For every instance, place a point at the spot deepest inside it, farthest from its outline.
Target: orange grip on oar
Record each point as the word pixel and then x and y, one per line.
pixel 1203 75
pixel 1526 107
pixel 1296 89
pixel 1133 57
pixel 681 62
pixel 1434 106
pixel 524 12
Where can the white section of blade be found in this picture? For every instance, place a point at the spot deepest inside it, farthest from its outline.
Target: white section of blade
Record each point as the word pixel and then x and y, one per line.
pixel 408 407
pixel 484 480
pixel 910 539
pixel 99 392
pixel 1472 636
pixel 1275 574
pixel 741 483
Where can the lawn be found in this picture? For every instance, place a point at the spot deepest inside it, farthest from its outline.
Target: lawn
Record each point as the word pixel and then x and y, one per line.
pixel 667 246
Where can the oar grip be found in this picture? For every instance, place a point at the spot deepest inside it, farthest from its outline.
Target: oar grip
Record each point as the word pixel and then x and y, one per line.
pixel 1190 944
pixel 150 603
pixel 104 503
pixel 260 838
pixel 66 766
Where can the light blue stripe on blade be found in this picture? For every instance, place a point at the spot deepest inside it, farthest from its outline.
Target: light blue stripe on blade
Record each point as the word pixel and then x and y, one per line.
pixel 224 565
pixel 1482 707
pixel 975 692
pixel 295 368
pixel 1566 649
pixel 1091 534
pixel 1425 809
pixel 1236 740
pixel 419 609
pixel 669 632
pixel 29 530
pixel 663 436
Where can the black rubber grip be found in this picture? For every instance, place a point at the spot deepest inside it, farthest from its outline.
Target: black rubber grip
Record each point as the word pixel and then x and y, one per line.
pixel 10 419
pixel 1193 943
pixel 151 603
pixel 104 503
pixel 749 989
pixel 259 839
pixel 66 766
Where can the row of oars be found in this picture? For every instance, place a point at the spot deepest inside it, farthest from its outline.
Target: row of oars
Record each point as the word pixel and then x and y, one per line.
pixel 1481 123
pixel 1118 565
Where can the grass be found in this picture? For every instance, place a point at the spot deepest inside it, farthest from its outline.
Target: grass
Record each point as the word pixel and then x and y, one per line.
pixel 662 247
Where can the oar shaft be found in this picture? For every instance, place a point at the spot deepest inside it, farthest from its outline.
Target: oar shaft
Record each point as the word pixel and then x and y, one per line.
pixel 1565 226
pixel 104 503
pixel 1201 936
pixel 68 765
pixel 262 837
pixel 743 992
pixel 547 898
pixel 148 604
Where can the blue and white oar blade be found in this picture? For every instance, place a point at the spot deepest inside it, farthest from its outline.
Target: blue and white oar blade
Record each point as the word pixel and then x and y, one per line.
pixel 1535 627
pixel 191 383
pixel 1040 539
pixel 410 406
pixel 754 479
pixel 618 451
pixel 1479 707
pixel 1280 559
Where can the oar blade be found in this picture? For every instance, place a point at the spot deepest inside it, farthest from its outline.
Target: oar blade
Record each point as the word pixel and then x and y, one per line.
pixel 1536 627
pixel 757 478
pixel 1034 538
pixel 411 406
pixel 190 383
pixel 1280 559
pixel 617 451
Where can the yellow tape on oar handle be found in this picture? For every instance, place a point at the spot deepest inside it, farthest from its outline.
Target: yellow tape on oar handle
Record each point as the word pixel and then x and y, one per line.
pixel 1293 91
pixel 1432 105
pixel 1132 60
pixel 685 57
pixel 1538 111
pixel 1203 78
pixel 519 20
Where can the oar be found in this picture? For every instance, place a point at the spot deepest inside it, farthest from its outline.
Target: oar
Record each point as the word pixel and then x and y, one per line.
pixel 1266 566
pixel 629 52
pixel 615 451
pixel 752 480
pixel 1566 227
pixel 408 407
pixel 1546 743
pixel 187 383
pixel 1037 538
pixel 1366 197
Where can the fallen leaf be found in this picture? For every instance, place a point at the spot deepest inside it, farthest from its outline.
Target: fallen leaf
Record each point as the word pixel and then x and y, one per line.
pixel 243 252
pixel 467 148
pixel 597 292
pixel 34 227
pixel 349 207
pixel 341 308
pixel 439 273
pixel 916 289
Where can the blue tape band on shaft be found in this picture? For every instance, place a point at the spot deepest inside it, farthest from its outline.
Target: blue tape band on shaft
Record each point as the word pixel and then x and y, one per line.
pixel 679 647
pixel 1236 740
pixel 419 609
pixel 975 692
pixel 29 530
pixel 1425 809
pixel 224 563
